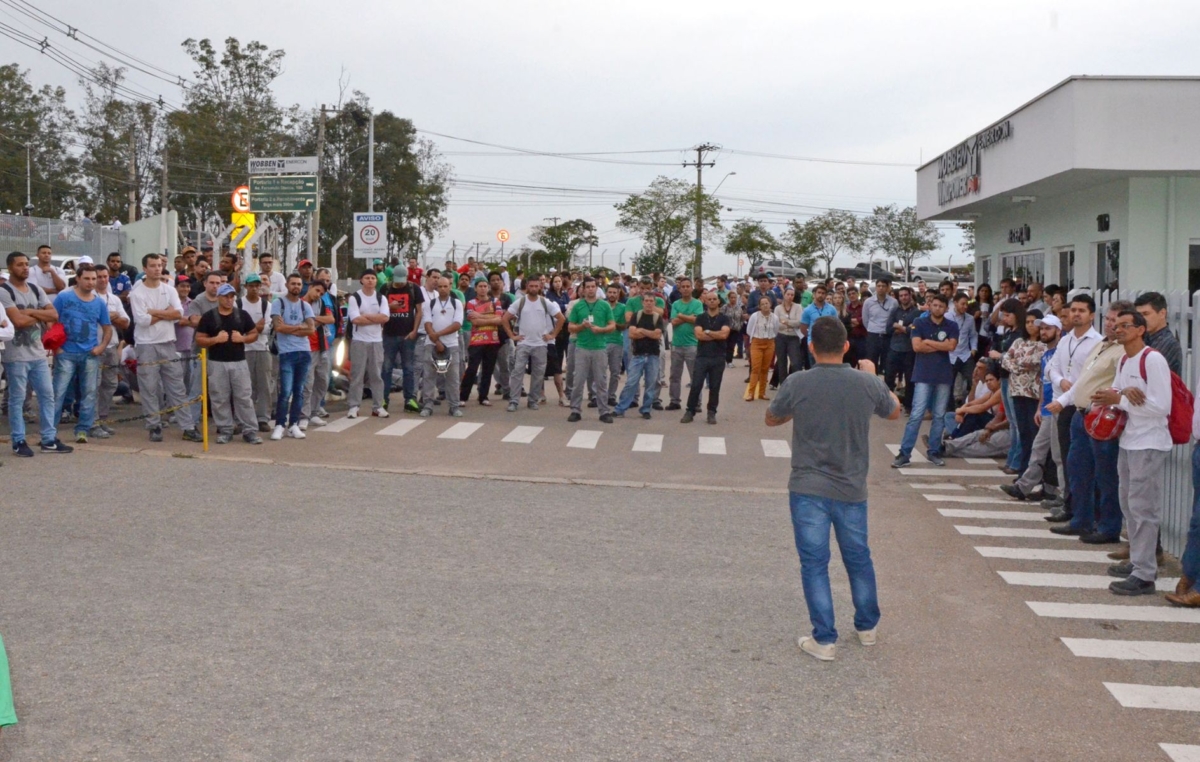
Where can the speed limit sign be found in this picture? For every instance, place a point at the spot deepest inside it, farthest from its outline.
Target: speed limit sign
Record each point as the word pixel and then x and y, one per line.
pixel 370 238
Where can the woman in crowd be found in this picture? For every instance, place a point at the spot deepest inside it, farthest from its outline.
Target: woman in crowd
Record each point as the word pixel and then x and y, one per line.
pixel 981 309
pixel 556 353
pixel 1022 361
pixel 761 329
pixel 787 340
pixel 732 310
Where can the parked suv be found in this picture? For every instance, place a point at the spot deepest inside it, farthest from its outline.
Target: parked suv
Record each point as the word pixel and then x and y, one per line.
pixel 778 268
pixel 865 271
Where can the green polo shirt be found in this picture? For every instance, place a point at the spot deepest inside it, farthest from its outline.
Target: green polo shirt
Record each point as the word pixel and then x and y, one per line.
pixel 601 315
pixel 618 336
pixel 684 334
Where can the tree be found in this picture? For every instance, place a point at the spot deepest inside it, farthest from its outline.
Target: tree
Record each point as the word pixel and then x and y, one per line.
pixel 834 233
pixel 751 239
pixel 560 243
pixel 799 245
pixel 664 217
pixel 968 234
pixel 899 234
pixel 41 119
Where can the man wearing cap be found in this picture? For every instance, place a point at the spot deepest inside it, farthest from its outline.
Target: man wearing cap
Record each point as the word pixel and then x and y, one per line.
pixel 225 332
pixel 367 311
pixel 258 352
pixel 1040 470
pixel 305 268
pixel 405 306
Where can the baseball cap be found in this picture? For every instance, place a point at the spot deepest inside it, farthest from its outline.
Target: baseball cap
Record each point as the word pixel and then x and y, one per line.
pixel 226 290
pixel 377 262
pixel 1049 320
pixel 251 278
pixel 84 260
pixel 302 263
pixel 399 275
pixel 182 279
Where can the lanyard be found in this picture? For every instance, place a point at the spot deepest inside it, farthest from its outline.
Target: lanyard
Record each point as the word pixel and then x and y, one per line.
pixel 1072 348
pixel 444 304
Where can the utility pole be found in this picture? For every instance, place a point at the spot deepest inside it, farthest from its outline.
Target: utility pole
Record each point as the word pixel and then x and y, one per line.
pixel 28 182
pixel 162 230
pixel 314 220
pixel 700 164
pixel 371 164
pixel 132 176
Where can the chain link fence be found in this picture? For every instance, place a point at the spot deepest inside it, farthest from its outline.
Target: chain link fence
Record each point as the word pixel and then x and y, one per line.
pixel 69 240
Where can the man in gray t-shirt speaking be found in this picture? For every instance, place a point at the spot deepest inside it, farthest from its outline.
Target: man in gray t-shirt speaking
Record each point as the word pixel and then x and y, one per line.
pixel 828 485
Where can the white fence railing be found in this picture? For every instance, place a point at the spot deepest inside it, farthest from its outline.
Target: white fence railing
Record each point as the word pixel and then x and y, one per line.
pixel 1183 309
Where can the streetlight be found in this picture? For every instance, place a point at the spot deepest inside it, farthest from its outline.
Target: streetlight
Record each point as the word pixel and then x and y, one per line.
pixel 723 179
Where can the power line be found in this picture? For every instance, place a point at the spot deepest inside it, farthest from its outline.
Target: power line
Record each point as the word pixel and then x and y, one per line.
pixel 550 154
pixel 785 157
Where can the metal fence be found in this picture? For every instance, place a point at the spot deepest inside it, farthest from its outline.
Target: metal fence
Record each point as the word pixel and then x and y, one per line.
pixel 1183 311
pixel 67 238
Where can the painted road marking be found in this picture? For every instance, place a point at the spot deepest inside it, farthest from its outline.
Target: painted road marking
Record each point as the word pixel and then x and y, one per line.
pixel 1046 554
pixel 333 427
pixel 1076 581
pixel 648 443
pixel 400 428
pixel 1134 650
pixel 460 431
pixel 967 513
pixel 947 485
pixel 1041 534
pixel 1175 698
pixel 947 473
pixel 1181 752
pixel 712 445
pixel 776 448
pixel 523 434
pixel 1130 613
pixel 977 499
pixel 980 461
pixel 584 439
pixel 916 457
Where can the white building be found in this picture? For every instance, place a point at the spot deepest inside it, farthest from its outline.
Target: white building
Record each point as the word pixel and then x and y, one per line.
pixel 1095 181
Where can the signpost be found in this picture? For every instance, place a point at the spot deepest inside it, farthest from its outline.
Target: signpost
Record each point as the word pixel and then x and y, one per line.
pixel 502 236
pixel 241 198
pixel 283 193
pixel 284 165
pixel 370 235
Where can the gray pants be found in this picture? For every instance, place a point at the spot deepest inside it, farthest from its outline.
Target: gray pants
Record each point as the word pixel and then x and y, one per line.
pixel 162 386
pixel 591 368
pixel 423 354
pixel 452 377
pixel 316 384
pixel 503 366
pixel 366 366
pixel 107 387
pixel 230 395
pixel 535 358
pixel 681 356
pixel 1141 474
pixel 569 374
pixel 969 446
pixel 191 379
pixel 262 383
pixel 1046 441
pixel 616 357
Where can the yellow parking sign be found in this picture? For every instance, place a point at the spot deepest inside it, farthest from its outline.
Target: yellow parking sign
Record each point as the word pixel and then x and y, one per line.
pixel 243 227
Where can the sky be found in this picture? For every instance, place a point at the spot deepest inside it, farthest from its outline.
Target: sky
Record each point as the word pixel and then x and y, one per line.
pixel 870 88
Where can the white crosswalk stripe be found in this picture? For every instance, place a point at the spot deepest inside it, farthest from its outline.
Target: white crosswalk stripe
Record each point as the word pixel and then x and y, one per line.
pixel 953 473
pixel 981 461
pixel 1040 534
pixel 916 457
pixel 977 499
pixel 1134 650
pixel 336 427
pixel 1045 554
pixel 648 443
pixel 776 448
pixel 1115 612
pixel 585 439
pixel 400 428
pixel 1181 752
pixel 968 513
pixel 946 486
pixel 1075 581
pixel 523 434
pixel 460 431
pixel 1171 697
pixel 712 445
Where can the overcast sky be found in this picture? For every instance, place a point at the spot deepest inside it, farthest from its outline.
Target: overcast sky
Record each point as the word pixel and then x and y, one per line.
pixel 850 81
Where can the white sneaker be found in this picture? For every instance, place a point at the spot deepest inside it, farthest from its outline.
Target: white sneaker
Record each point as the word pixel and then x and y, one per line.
pixel 295 433
pixel 353 413
pixel 315 421
pixel 304 425
pixel 380 412
pixel 277 434
pixel 866 637
pixel 816 650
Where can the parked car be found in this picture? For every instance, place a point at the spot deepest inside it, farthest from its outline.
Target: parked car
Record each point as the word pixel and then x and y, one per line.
pixel 778 268
pixel 865 271
pixel 930 274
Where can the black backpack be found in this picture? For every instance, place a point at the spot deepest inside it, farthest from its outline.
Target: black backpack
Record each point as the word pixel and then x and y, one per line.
pixel 357 297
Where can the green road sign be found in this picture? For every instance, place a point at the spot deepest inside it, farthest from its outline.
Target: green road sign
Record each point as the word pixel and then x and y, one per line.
pixel 290 193
pixel 284 184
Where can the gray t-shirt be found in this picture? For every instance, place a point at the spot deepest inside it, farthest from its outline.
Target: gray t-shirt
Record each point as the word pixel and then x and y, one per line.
pixel 199 306
pixel 831 408
pixel 27 343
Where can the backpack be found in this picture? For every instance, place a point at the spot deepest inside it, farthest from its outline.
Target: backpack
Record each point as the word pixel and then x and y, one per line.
pixel 357 297
pixel 1179 420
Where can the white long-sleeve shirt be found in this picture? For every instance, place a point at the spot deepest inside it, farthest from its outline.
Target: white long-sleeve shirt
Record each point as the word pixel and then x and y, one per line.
pixel 142 299
pixel 1147 425
pixel 1070 357
pixel 762 327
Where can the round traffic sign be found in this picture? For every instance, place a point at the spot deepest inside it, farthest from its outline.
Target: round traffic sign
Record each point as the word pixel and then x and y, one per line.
pixel 241 198
pixel 369 235
pixel 502 236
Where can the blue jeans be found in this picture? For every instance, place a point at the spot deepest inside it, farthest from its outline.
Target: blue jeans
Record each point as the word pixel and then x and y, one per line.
pixel 394 346
pixel 923 394
pixel 82 368
pixel 36 374
pixel 1191 552
pixel 293 370
pixel 1092 475
pixel 811 517
pixel 640 367
pixel 1010 412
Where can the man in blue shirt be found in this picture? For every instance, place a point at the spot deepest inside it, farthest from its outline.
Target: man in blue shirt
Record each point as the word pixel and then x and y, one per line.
pixel 119 282
pixel 84 316
pixel 818 309
pixel 293 322
pixel 933 339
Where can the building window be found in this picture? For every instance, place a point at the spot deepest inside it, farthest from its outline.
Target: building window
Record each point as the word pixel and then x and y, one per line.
pixel 1025 267
pixel 1066 268
pixel 985 271
pixel 1108 259
pixel 1194 266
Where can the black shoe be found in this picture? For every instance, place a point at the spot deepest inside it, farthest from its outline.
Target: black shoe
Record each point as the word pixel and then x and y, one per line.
pixel 656 405
pixel 22 450
pixel 574 418
pixel 674 406
pixel 687 418
pixel 1013 491
pixel 645 416
pixel 192 435
pixel 606 418
pixel 1037 494
pixel 264 427
pixel 1132 585
pixel 156 434
pixel 712 418
pixel 1121 570
pixel 591 403
pixel 1059 516
pixel 612 401
pixel 1095 538
pixel 1068 530
pixel 56 447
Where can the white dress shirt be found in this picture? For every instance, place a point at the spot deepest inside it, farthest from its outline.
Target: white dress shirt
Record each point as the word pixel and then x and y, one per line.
pixel 1069 358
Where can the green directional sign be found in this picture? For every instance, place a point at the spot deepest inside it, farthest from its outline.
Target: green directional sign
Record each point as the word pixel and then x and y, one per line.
pixel 284 193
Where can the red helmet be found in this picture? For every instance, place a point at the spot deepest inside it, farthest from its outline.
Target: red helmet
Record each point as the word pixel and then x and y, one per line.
pixel 1105 422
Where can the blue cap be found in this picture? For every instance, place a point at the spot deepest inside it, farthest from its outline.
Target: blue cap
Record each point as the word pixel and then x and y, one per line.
pixel 226 290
